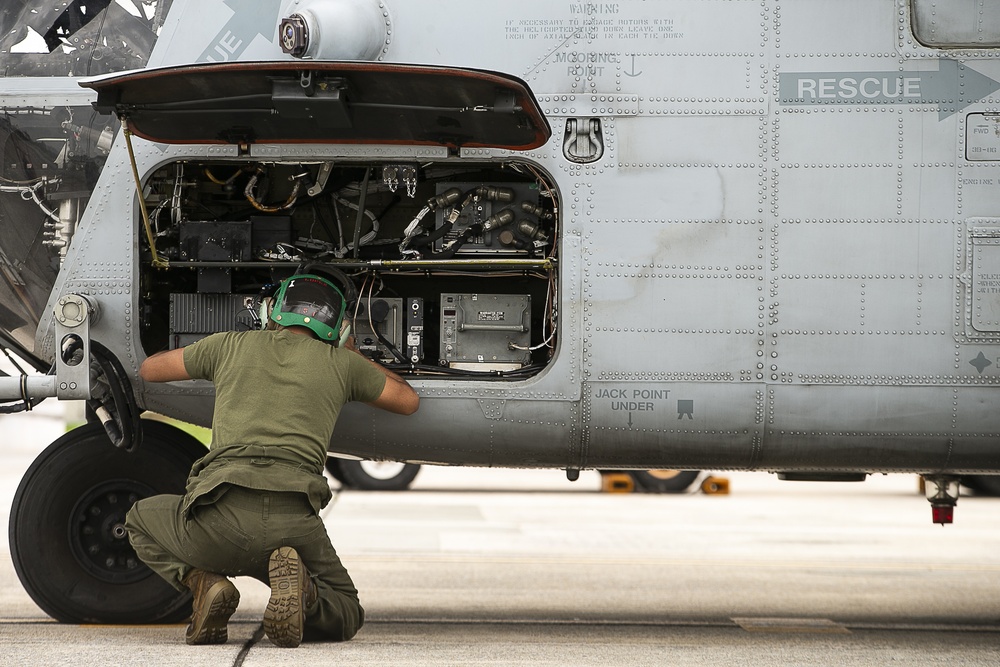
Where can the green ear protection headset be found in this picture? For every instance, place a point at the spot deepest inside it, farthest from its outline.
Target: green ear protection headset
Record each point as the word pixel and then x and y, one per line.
pixel 311 301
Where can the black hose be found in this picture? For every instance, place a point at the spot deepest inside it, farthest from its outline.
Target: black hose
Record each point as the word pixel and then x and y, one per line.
pixel 472 230
pixel 20 406
pixel 392 348
pixel 467 198
pixel 125 428
pixel 427 239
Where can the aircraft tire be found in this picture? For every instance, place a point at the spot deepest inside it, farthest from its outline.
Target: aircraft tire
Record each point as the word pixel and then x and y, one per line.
pixel 375 476
pixel 67 538
pixel 333 467
pixel 984 485
pixel 664 481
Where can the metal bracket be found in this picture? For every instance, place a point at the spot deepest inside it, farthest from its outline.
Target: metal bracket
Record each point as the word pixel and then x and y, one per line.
pixel 73 316
pixel 492 408
pixel 321 178
pixel 583 140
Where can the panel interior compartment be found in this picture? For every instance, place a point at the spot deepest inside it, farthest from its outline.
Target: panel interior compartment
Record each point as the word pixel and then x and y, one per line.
pixel 417 242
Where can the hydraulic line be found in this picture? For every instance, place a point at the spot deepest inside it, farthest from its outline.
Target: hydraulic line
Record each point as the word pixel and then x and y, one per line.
pixel 248 192
pixel 121 422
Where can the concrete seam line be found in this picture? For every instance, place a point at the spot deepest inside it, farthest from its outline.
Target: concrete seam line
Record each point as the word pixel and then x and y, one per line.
pixel 245 651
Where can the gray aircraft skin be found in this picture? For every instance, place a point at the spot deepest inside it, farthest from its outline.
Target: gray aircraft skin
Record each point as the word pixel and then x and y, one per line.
pixel 684 234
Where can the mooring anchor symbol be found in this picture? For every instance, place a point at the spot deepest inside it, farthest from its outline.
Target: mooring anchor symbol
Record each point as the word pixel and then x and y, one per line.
pixel 633 72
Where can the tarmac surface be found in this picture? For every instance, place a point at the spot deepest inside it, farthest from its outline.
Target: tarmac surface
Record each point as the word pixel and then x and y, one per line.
pixel 501 567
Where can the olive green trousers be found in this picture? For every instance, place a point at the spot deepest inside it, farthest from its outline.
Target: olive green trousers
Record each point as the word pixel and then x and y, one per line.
pixel 234 535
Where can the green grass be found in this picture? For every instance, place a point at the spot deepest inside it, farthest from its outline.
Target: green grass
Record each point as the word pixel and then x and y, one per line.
pixel 200 433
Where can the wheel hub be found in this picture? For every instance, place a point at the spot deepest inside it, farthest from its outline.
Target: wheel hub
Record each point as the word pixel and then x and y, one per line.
pixel 98 538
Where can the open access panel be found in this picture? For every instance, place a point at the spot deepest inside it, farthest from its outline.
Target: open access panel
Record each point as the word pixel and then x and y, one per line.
pixel 450 268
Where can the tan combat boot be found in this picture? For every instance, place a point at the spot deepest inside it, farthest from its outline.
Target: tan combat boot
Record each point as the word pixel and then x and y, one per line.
pixel 215 600
pixel 292 592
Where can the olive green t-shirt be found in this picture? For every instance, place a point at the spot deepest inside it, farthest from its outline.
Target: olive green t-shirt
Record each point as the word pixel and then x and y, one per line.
pixel 277 399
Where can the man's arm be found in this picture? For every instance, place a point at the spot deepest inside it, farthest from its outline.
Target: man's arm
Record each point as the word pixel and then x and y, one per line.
pixel 164 366
pixel 397 394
